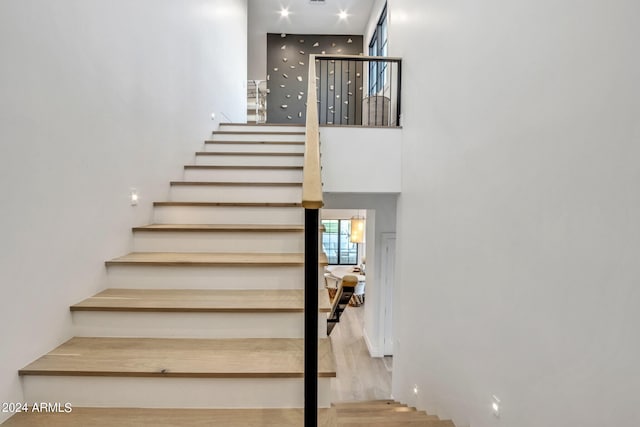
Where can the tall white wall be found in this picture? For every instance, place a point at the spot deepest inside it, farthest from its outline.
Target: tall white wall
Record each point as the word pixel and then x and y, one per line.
pixel 518 227
pixel 96 97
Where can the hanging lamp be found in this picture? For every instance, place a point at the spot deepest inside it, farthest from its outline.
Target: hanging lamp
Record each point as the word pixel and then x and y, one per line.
pixel 357 229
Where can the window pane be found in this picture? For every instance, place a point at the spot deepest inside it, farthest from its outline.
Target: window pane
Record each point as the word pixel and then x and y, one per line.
pixel 348 250
pixel 330 240
pixel 336 244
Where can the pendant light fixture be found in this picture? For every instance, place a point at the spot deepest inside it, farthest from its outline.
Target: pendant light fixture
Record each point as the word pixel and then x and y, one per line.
pixel 357 229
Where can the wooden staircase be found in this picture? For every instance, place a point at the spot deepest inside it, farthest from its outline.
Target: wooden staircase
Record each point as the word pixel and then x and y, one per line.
pixel 203 321
pixel 207 311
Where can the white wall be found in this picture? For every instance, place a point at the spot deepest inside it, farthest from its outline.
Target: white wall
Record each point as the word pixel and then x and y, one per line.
pixel 362 160
pixel 257 47
pixel 96 97
pixel 518 230
pixel 381 218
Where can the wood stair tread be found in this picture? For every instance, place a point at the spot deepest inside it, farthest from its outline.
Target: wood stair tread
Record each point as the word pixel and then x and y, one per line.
pixel 367 403
pixel 236 184
pixel 237 204
pixel 243 153
pixel 293 125
pixel 391 423
pixel 220 227
pixel 253 132
pixel 135 417
pixel 201 301
pixel 182 358
pixel 257 142
pixel 212 259
pixel 108 417
pixel 388 413
pixel 377 409
pixel 237 167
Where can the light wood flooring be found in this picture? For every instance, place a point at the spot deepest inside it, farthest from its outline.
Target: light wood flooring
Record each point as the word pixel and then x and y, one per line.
pixel 359 376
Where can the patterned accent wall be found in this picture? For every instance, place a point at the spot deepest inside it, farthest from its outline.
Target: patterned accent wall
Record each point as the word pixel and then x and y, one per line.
pixel 287 72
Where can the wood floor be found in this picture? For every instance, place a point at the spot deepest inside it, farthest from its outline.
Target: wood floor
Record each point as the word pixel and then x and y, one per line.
pixel 359 376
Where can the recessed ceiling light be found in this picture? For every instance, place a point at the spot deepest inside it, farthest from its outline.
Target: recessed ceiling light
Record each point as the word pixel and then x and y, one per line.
pixel 343 14
pixel 284 13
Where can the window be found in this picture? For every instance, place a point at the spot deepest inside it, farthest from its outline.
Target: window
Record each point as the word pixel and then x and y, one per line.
pixel 336 244
pixel 378 47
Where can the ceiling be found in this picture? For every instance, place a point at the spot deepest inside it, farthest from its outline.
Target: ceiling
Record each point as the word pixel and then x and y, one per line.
pixel 308 18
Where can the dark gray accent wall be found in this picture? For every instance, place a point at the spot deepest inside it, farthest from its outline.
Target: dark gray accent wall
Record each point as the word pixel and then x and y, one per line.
pixel 287 72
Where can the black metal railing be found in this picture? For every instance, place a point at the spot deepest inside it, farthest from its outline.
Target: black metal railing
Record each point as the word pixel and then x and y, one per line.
pixel 359 90
pixel 311 242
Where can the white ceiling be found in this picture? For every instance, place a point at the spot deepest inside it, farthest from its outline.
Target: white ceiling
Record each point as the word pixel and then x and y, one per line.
pixel 307 18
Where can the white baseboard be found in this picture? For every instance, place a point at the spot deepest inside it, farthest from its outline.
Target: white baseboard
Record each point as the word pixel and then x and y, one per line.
pixel 373 350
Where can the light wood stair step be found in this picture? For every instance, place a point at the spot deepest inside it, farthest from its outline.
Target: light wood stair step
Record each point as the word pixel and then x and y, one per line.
pixel 266 125
pixel 125 417
pixel 376 409
pixel 233 204
pixel 252 153
pixel 211 259
pixel 376 403
pixel 254 132
pixel 256 142
pixel 181 358
pixel 388 413
pixel 201 301
pixel 236 167
pixel 235 184
pixel 212 228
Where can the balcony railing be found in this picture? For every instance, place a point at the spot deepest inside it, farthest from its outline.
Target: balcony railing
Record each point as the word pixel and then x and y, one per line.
pixel 359 90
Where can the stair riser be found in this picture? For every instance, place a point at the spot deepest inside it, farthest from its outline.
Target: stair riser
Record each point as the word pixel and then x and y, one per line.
pixel 243 175
pixel 128 392
pixel 222 241
pixel 236 193
pixel 254 148
pixel 242 160
pixel 161 277
pixel 192 325
pixel 259 137
pixel 239 128
pixel 227 215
